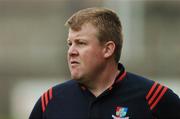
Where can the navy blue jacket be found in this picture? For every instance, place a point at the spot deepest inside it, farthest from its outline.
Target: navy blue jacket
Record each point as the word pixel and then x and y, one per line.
pixel 130 97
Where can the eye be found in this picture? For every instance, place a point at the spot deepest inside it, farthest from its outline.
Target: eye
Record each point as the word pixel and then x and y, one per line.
pixel 69 43
pixel 81 43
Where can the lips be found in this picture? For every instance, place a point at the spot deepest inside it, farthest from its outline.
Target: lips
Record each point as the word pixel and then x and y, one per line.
pixel 74 62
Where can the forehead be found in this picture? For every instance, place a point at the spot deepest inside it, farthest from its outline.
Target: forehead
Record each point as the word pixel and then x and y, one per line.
pixel 87 31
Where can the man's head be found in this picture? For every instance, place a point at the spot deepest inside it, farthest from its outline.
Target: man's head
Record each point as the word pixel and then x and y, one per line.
pixel 95 42
pixel 105 21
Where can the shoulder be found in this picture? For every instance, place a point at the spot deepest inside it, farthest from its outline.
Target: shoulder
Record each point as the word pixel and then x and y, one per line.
pixel 162 101
pixel 65 87
pixel 52 93
pixel 48 96
pixel 60 89
pixel 140 82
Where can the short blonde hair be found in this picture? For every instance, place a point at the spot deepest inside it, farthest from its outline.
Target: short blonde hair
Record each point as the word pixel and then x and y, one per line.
pixel 107 23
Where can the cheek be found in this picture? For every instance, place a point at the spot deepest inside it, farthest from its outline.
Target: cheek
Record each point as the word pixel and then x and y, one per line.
pixel 90 58
pixel 68 60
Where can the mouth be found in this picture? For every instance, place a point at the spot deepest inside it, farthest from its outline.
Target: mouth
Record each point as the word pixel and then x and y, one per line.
pixel 74 62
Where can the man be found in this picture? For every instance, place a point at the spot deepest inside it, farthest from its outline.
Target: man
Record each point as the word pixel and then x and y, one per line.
pixel 100 87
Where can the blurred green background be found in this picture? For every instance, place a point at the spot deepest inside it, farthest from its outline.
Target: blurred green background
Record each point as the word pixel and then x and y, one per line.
pixel 33 45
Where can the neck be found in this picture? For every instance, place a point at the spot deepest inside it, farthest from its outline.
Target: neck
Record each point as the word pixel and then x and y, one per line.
pixel 103 80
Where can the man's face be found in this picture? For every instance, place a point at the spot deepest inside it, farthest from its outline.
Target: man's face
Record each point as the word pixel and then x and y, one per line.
pixel 85 53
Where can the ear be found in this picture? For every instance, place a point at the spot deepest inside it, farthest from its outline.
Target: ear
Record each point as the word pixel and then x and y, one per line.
pixel 109 49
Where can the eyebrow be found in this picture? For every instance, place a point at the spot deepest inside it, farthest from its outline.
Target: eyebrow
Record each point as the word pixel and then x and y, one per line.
pixel 68 40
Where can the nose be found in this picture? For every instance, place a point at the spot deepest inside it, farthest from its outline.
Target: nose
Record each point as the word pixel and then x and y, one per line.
pixel 72 51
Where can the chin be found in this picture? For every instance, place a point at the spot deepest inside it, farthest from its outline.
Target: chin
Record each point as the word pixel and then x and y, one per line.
pixel 75 74
pixel 77 78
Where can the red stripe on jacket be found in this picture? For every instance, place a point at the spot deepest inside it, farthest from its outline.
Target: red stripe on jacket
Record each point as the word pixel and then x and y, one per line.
pixel 159 97
pixel 42 103
pixel 45 98
pixel 155 94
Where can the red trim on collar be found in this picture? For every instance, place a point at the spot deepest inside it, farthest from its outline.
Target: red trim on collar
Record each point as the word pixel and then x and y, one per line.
pixel 121 77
